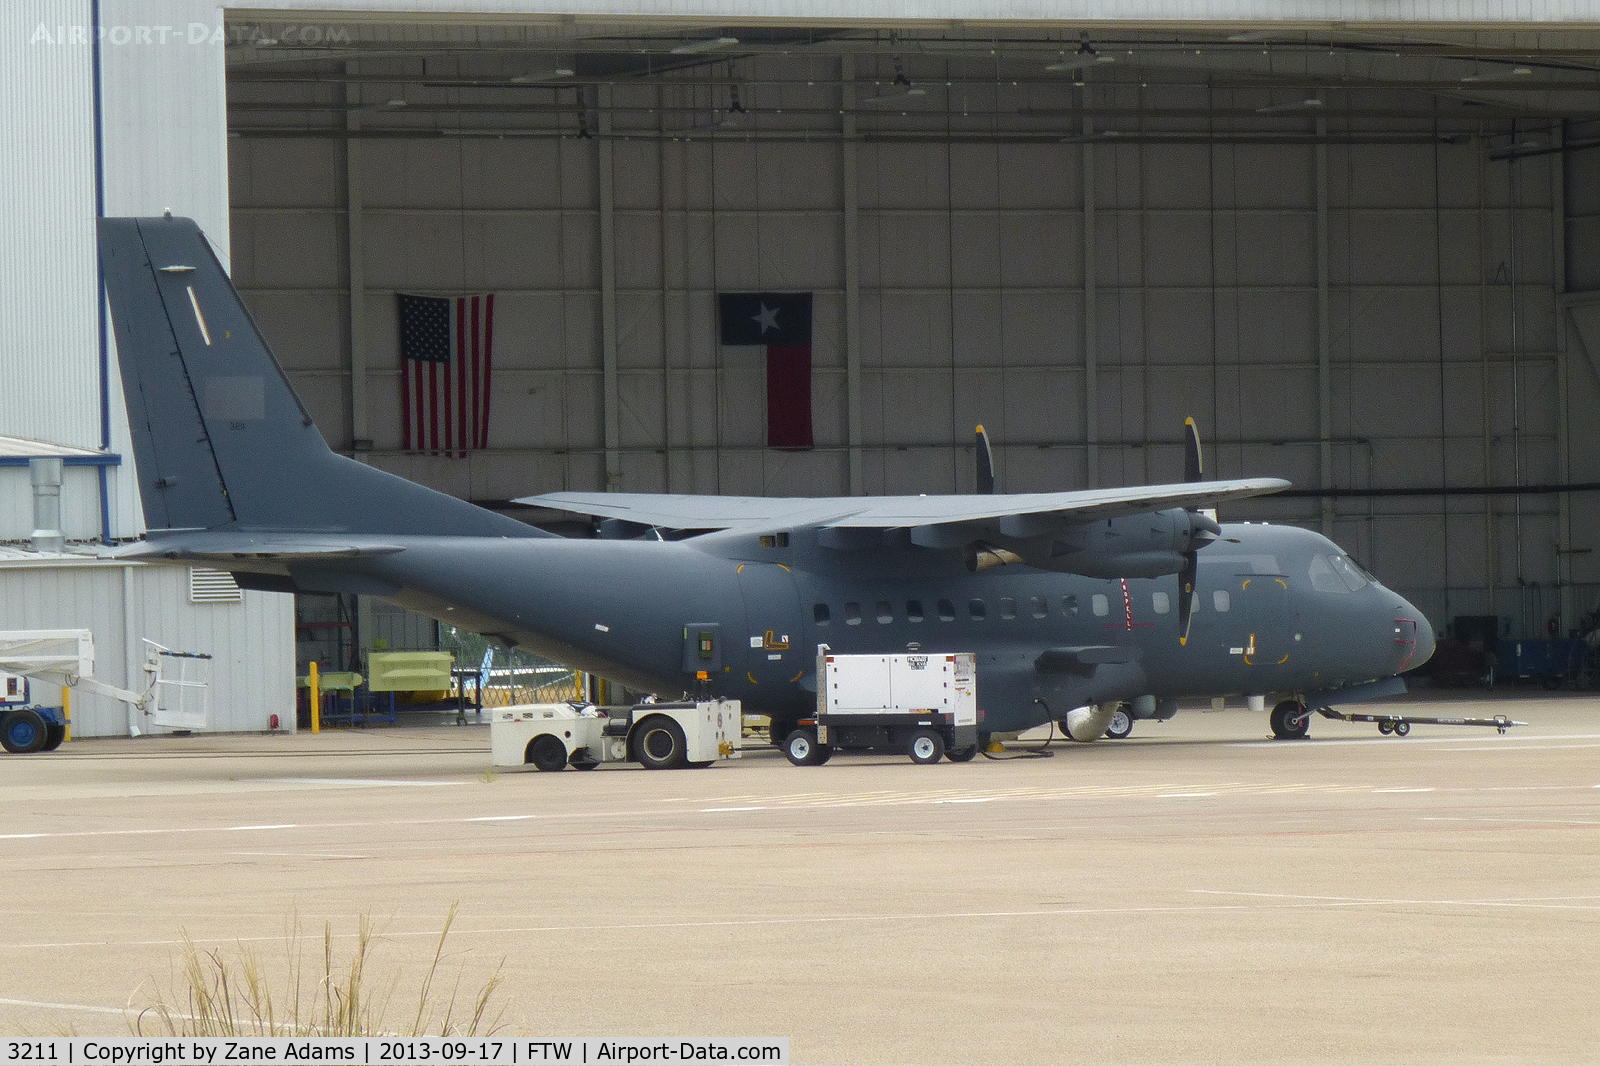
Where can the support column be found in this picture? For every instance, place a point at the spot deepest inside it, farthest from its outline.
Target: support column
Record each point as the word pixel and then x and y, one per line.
pixel 1091 330
pixel 608 290
pixel 852 275
pixel 1324 342
pixel 1558 276
pixel 355 259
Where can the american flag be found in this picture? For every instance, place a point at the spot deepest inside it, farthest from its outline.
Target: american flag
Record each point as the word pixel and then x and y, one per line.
pixel 445 345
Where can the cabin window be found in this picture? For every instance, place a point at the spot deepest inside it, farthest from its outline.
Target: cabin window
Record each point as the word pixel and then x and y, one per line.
pixel 1008 607
pixel 1102 606
pixel 852 614
pixel 947 611
pixel 1161 603
pixel 1069 605
pixel 885 613
pixel 977 609
pixel 820 615
pixel 913 610
pixel 1221 600
pixel 1038 606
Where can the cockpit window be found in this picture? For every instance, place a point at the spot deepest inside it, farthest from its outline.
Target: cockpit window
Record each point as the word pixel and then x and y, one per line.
pixel 1353 575
pixel 1323 577
pixel 1335 573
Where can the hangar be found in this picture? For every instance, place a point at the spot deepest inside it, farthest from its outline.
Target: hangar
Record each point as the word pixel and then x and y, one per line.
pixel 1359 253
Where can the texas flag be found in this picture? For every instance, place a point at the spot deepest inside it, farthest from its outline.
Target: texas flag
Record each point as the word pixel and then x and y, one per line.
pixel 780 322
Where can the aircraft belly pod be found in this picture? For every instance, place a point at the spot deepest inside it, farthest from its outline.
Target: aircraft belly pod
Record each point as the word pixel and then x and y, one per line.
pixel 1067 598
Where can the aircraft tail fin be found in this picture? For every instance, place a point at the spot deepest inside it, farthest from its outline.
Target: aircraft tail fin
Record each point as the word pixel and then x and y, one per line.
pixel 220 437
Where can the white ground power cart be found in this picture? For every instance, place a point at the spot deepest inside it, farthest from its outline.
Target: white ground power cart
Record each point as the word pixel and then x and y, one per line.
pixel 658 736
pixel 924 704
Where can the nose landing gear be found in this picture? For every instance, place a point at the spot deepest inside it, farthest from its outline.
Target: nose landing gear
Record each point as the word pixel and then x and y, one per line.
pixel 1291 720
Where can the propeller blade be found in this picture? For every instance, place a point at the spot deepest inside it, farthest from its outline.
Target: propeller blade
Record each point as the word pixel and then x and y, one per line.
pixel 1192 467
pixel 985 460
pixel 1186 583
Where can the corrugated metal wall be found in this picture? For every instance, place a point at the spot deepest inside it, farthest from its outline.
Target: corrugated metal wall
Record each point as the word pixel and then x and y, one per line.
pixel 1446 360
pixel 252 674
pixel 165 147
pixel 49 356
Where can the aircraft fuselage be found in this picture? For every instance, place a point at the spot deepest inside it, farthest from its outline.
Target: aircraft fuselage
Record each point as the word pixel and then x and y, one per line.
pixel 1275 613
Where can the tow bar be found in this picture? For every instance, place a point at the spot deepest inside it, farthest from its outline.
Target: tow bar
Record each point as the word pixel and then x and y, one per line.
pixel 1400 724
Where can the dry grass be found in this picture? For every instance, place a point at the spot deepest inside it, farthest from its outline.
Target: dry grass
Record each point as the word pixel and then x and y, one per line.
pixel 229 993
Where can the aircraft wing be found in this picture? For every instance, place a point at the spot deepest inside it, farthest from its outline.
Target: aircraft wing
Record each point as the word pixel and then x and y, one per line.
pixel 1024 514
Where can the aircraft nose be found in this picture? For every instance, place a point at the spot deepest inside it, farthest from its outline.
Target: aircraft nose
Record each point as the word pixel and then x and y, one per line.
pixel 1405 616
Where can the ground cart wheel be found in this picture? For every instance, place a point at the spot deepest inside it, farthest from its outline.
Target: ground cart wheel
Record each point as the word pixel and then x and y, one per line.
pixel 53 736
pixel 926 747
pixel 1402 728
pixel 1290 720
pixel 966 754
pixel 546 752
pixel 1121 725
pixel 802 749
pixel 658 743
pixel 22 731
pixel 1386 728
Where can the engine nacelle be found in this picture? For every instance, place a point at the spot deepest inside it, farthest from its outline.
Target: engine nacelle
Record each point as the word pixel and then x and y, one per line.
pixel 1144 545
pixel 1086 724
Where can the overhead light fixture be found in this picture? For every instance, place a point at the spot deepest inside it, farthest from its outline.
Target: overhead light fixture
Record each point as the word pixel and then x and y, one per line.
pixel 544 75
pixel 1310 103
pixel 900 95
pixel 1085 56
pixel 689 48
pixel 1498 75
pixel 387 105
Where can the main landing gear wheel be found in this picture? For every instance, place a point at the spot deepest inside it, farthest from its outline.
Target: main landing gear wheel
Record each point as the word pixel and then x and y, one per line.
pixel 802 749
pixel 926 747
pixel 547 753
pixel 1121 725
pixel 658 743
pixel 23 731
pixel 966 754
pixel 1291 720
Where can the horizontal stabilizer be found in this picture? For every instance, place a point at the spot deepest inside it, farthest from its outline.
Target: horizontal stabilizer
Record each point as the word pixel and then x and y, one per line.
pixel 226 547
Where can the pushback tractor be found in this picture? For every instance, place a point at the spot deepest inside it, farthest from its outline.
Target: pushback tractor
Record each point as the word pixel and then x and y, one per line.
pixel 657 736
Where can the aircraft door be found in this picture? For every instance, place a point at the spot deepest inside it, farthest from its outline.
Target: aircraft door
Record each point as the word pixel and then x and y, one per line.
pixel 774 630
pixel 1262 624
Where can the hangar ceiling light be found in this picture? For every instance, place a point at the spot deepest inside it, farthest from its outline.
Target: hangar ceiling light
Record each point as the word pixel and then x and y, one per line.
pixel 544 75
pixel 689 48
pixel 1498 75
pixel 1084 57
pixel 1310 103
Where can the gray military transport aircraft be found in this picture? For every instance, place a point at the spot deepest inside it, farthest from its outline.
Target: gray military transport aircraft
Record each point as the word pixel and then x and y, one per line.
pixel 1076 603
